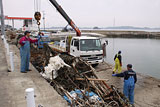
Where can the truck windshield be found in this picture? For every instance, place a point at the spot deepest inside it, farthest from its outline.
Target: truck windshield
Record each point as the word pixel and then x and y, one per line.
pixel 90 44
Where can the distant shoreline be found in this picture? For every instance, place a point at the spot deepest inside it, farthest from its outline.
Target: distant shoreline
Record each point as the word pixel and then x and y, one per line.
pixel 126 34
pixel 118 33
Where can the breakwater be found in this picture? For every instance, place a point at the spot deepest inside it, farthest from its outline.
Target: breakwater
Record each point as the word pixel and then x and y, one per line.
pixel 126 34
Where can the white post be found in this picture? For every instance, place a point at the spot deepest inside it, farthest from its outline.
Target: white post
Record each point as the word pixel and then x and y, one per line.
pixel 2 37
pixel 7 48
pixel 30 97
pixel 5 42
pixel 11 61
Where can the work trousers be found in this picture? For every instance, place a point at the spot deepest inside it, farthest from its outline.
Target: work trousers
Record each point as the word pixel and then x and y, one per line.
pixel 117 66
pixel 25 56
pixel 128 91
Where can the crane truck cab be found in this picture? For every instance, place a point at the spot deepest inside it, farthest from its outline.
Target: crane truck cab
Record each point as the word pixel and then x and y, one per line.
pixel 88 48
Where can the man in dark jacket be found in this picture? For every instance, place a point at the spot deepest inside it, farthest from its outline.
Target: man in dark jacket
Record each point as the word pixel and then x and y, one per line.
pixel 130 79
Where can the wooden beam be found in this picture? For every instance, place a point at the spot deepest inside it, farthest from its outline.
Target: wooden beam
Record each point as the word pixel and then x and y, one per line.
pixel 93 79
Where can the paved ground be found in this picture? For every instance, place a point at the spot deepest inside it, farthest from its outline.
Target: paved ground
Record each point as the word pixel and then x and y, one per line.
pixel 147 89
pixel 13 84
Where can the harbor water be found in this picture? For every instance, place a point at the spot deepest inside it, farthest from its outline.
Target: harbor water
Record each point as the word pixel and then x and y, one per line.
pixel 143 54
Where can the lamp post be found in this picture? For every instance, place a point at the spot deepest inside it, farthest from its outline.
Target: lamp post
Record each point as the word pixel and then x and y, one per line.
pixel 2 19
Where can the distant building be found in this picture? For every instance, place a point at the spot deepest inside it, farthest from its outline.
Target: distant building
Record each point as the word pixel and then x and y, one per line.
pixel 28 23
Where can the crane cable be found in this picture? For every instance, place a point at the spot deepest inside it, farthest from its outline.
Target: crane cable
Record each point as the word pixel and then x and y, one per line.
pixel 37 14
pixel 37 5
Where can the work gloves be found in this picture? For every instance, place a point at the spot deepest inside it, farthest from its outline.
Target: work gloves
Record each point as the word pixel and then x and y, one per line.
pixel 113 74
pixel 39 38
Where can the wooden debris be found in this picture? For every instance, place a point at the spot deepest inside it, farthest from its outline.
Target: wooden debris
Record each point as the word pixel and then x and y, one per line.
pixel 93 79
pixel 79 76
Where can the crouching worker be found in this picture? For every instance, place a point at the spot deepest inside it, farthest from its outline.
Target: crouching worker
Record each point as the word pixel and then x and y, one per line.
pixel 25 51
pixel 130 79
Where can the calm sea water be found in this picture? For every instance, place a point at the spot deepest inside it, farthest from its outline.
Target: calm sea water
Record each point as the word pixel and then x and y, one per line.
pixel 143 54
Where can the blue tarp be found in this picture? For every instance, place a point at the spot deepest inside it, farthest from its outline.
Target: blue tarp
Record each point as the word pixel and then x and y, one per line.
pixel 80 95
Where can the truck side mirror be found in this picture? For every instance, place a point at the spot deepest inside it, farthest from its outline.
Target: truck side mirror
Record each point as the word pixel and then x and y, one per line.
pixel 78 47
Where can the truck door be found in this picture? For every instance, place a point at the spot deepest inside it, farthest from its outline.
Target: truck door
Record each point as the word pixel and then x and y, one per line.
pixel 74 48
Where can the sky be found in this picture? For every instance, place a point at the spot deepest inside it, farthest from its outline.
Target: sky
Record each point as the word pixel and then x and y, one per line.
pixel 88 13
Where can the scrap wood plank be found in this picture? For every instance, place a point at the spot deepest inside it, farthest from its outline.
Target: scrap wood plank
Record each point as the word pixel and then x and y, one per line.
pixel 104 69
pixel 93 79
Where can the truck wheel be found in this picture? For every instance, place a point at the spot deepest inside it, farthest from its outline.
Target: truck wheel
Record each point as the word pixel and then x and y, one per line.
pixel 94 65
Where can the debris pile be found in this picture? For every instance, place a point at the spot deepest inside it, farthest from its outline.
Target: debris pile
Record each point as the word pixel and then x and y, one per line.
pixel 55 63
pixel 75 80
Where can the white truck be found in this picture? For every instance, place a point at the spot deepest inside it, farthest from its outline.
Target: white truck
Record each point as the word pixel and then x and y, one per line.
pixel 89 48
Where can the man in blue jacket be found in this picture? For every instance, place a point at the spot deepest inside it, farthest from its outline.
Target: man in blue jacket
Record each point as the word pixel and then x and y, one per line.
pixel 130 79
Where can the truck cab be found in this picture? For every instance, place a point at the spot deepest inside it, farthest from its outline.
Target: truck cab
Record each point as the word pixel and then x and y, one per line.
pixel 88 48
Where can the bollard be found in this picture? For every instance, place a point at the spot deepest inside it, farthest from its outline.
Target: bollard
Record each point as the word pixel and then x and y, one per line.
pixel 11 61
pixel 7 49
pixel 30 97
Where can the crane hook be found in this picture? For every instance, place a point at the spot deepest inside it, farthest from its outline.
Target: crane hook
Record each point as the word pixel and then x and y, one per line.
pixel 37 16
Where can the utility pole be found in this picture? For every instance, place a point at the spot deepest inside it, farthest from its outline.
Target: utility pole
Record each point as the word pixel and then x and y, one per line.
pixel 2 19
pixel 44 20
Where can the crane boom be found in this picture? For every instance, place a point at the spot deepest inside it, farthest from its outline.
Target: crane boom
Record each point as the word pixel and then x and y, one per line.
pixel 63 13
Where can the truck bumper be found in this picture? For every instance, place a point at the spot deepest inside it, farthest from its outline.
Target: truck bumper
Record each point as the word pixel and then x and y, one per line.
pixel 95 61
